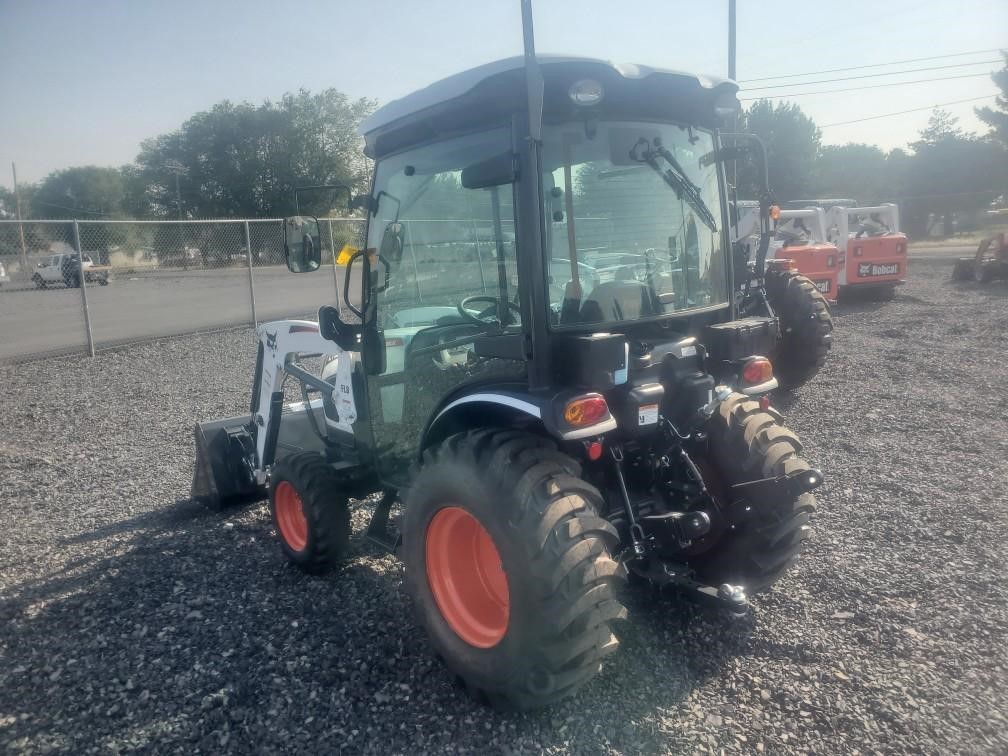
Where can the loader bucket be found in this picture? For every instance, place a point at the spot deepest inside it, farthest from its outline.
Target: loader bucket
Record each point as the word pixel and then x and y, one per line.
pixel 225 454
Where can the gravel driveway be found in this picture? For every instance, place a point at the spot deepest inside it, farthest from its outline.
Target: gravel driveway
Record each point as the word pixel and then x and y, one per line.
pixel 131 619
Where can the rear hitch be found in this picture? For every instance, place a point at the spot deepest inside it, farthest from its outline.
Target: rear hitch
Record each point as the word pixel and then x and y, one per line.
pixel 679 577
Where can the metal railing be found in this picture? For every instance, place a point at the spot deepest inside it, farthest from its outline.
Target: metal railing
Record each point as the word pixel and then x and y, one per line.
pixel 147 279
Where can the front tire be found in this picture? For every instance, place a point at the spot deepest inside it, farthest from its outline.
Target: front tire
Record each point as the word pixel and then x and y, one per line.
pixel 745 444
pixel 509 568
pixel 38 281
pixel 806 325
pixel 310 512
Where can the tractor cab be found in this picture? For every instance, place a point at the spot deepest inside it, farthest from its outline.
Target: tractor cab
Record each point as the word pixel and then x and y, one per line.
pixel 529 279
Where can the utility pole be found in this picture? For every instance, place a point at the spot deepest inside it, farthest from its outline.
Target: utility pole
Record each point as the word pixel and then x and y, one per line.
pixel 731 39
pixel 176 167
pixel 731 75
pixel 17 205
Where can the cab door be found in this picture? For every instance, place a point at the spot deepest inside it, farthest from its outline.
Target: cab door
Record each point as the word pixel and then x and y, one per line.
pixel 441 272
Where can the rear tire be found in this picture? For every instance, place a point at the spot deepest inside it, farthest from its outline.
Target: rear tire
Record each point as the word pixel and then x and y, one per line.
pixel 882 294
pixel 806 325
pixel 310 512
pixel 546 623
pixel 746 443
pixel 38 281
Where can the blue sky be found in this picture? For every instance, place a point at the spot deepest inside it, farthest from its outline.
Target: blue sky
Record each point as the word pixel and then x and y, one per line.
pixel 85 82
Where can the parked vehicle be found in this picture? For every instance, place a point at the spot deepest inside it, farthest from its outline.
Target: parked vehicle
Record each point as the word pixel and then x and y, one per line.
pixel 66 268
pixel 873 257
pixel 988 264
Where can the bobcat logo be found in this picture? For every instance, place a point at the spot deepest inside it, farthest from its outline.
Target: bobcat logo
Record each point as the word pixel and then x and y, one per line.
pixel 271 341
pixel 864 269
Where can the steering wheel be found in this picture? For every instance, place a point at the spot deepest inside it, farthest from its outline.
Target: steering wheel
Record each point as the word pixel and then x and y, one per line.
pixel 482 318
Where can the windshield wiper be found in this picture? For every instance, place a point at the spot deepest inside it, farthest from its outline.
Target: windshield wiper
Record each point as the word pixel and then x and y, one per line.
pixel 674 176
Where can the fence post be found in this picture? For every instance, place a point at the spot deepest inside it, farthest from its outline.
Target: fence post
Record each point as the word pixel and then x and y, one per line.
pixel 82 279
pixel 248 253
pixel 332 247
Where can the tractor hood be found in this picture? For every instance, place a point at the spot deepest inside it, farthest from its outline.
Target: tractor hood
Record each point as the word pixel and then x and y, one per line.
pixel 491 93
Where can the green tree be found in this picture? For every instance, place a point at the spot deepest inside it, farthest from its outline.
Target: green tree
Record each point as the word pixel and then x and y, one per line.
pixel 942 127
pixel 951 173
pixel 86 192
pixel 8 202
pixel 854 170
pixel 238 160
pixel 998 119
pixel 792 140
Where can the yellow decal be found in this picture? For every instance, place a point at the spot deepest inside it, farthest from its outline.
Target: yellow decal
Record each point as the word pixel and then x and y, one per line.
pixel 345 254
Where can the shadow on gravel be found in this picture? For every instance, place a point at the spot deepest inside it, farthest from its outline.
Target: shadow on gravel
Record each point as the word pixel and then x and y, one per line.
pixel 190 632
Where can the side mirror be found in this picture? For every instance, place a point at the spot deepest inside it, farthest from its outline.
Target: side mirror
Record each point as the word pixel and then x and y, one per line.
pixel 392 242
pixel 726 154
pixel 302 244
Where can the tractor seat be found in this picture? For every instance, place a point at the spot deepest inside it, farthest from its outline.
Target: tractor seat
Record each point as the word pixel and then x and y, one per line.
pixel 618 300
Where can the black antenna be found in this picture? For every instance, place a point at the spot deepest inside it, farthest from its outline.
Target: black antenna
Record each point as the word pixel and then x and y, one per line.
pixel 533 76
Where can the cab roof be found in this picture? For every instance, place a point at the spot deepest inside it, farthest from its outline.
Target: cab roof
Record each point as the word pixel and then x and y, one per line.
pixel 495 91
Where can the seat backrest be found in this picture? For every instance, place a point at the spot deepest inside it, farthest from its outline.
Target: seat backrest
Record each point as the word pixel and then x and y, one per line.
pixel 618 300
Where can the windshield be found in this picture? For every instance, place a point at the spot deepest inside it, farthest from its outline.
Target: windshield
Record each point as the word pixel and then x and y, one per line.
pixel 634 227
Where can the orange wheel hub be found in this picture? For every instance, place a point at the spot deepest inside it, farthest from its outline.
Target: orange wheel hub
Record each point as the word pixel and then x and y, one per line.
pixel 290 516
pixel 467 578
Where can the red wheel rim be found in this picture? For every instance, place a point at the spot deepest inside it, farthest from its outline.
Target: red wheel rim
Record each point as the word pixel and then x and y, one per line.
pixel 467 578
pixel 290 517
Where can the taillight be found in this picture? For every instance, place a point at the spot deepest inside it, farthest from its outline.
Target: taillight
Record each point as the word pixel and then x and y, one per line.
pixel 394 341
pixel 900 248
pixel 586 410
pixel 757 371
pixel 830 261
pixel 858 252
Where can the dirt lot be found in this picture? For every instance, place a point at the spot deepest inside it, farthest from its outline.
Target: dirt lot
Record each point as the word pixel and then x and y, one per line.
pixel 129 618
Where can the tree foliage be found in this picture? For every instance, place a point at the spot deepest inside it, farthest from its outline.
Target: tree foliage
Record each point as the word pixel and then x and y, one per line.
pixel 951 172
pixel 854 170
pixel 86 192
pixel 792 142
pixel 237 160
pixel 997 119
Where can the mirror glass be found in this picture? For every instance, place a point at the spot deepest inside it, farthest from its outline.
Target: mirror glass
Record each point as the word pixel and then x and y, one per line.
pixel 392 243
pixel 302 244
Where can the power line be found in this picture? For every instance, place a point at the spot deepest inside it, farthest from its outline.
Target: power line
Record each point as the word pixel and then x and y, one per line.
pixel 875 75
pixel 873 65
pixel 869 86
pixel 910 110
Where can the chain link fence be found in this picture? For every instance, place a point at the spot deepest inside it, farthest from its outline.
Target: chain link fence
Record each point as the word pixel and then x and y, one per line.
pixel 69 286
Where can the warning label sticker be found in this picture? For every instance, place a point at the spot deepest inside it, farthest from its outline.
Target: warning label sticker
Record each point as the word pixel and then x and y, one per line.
pixel 647 414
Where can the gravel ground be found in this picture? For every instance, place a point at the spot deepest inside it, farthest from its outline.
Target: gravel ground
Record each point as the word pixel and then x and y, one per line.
pixel 131 619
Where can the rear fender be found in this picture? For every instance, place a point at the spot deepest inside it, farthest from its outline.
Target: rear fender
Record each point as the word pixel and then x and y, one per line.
pixel 489 407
